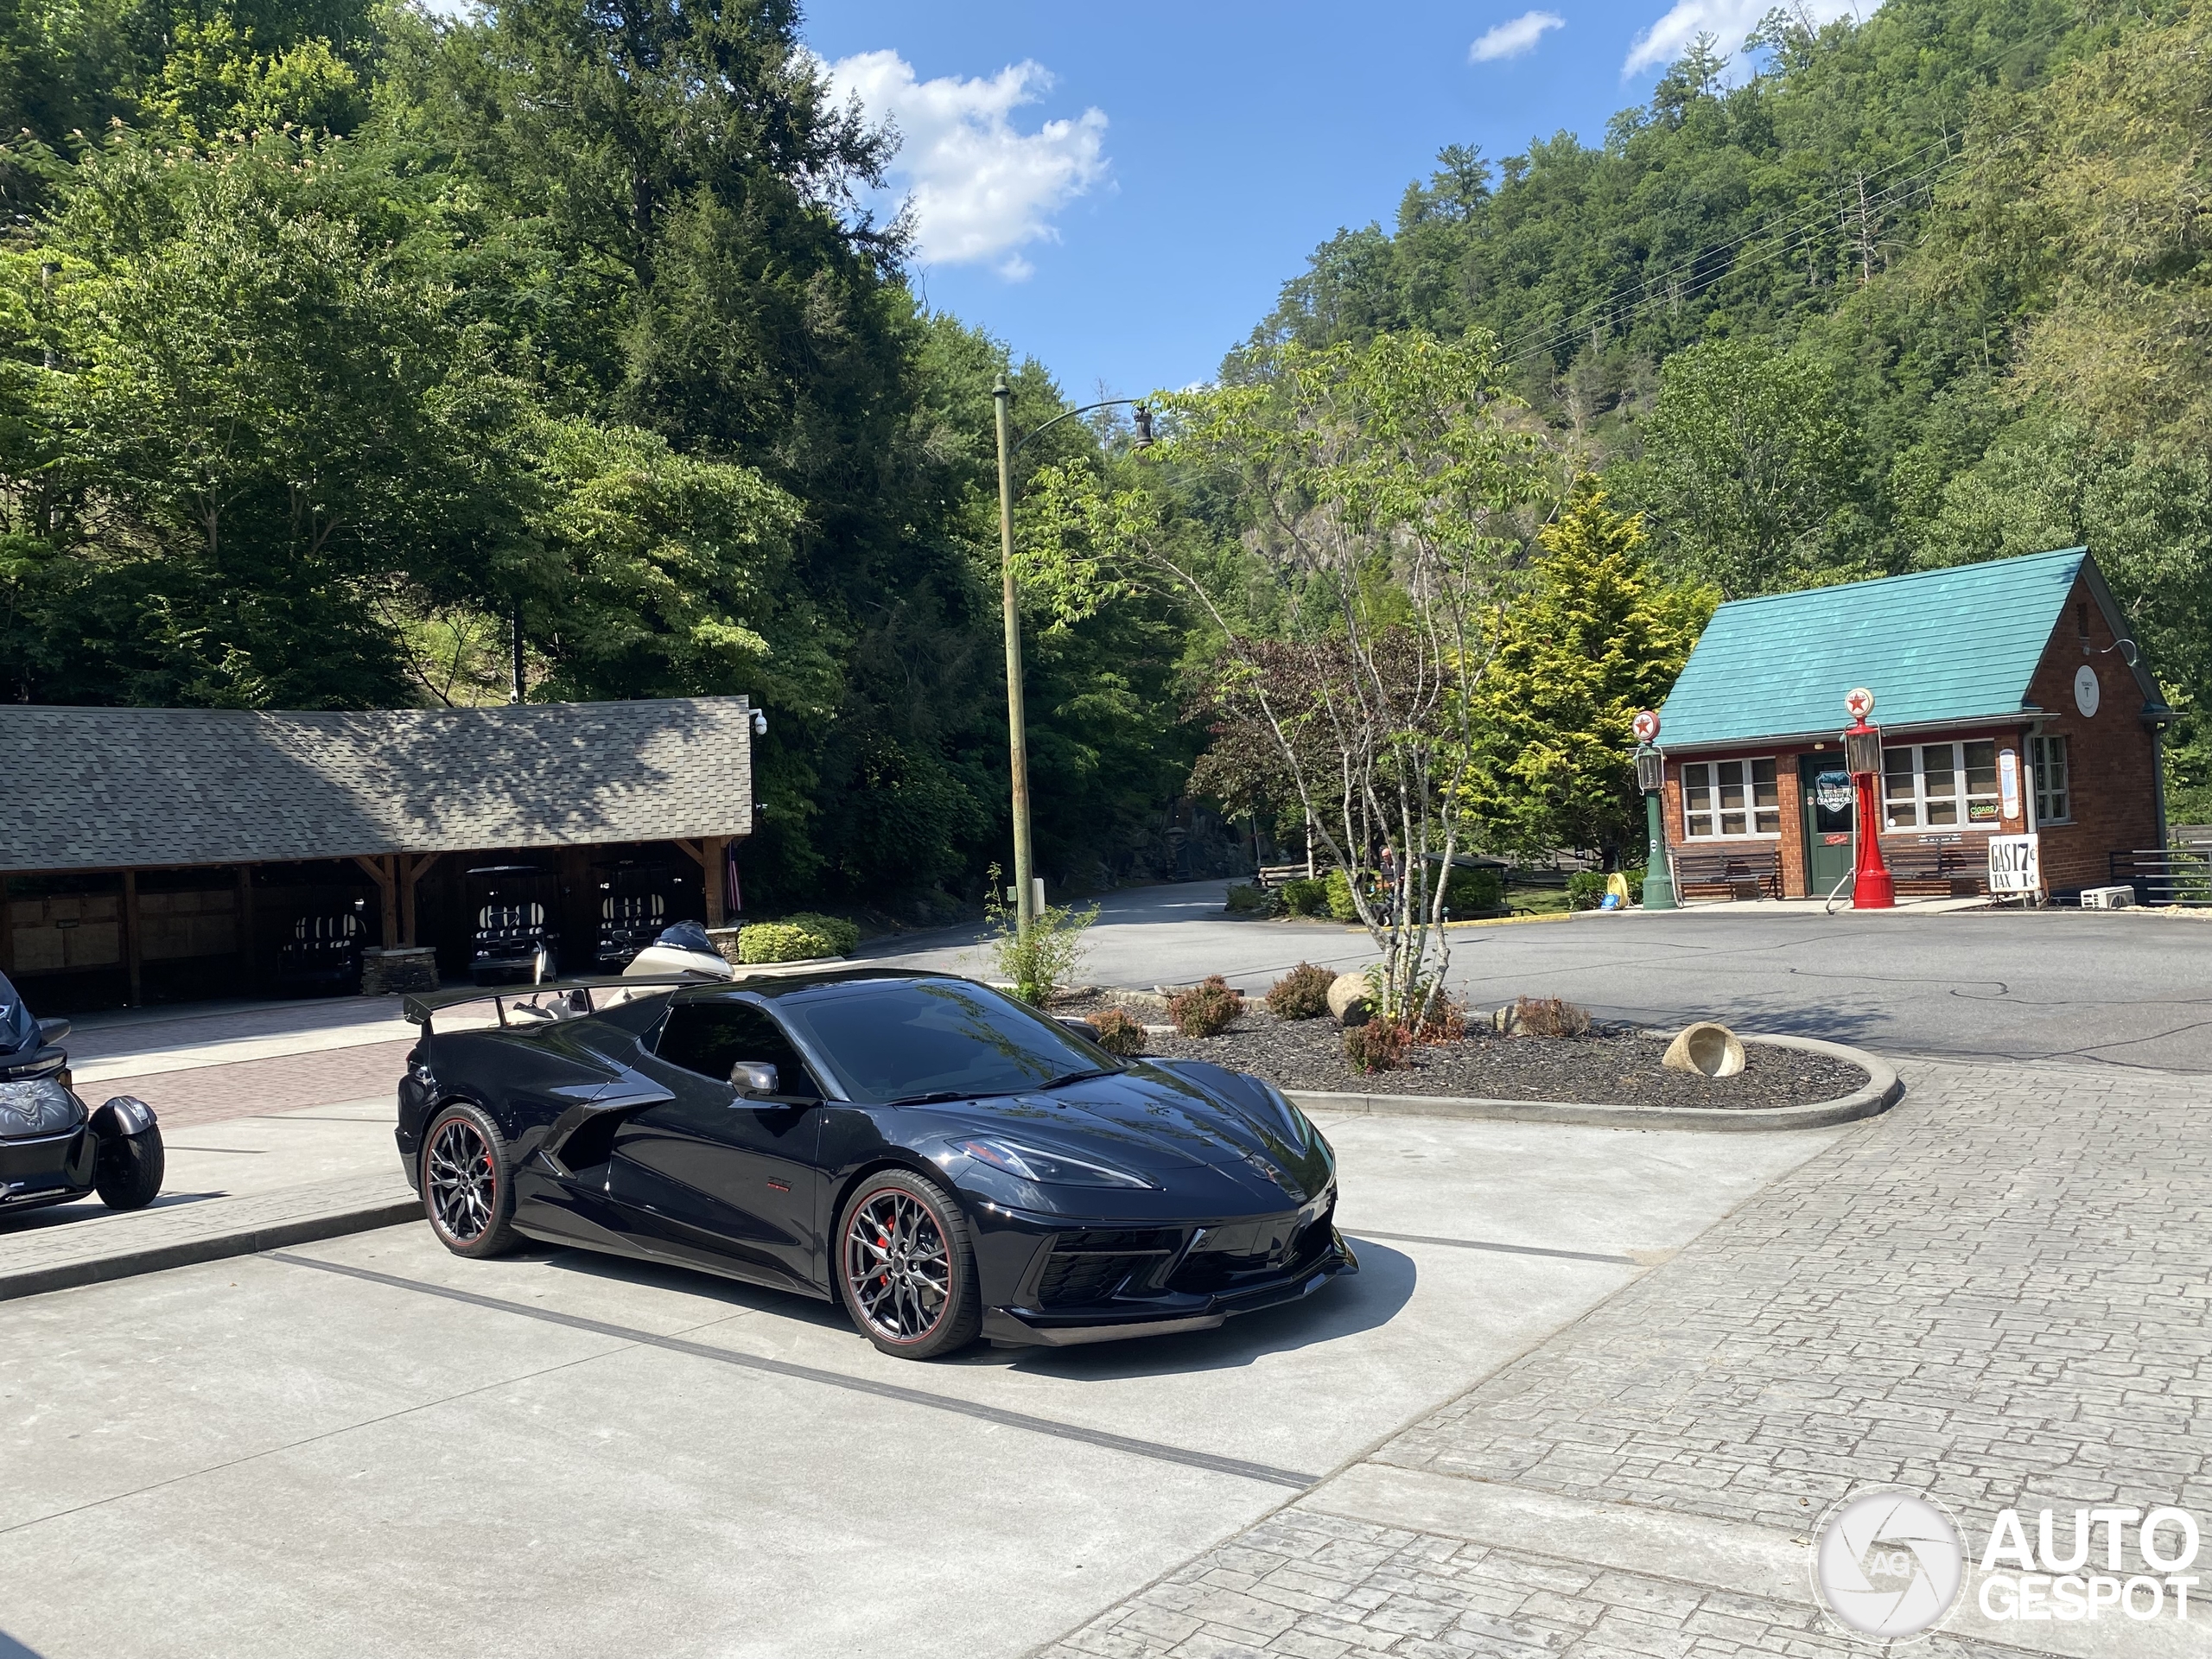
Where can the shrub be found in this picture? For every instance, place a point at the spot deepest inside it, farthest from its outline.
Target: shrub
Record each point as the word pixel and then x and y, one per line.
pixel 1250 898
pixel 840 936
pixel 1550 1016
pixel 1340 891
pixel 1043 962
pixel 1445 1021
pixel 1301 994
pixel 1584 888
pixel 1207 1009
pixel 1378 1045
pixel 779 941
pixel 1471 893
pixel 1117 1031
pixel 1305 896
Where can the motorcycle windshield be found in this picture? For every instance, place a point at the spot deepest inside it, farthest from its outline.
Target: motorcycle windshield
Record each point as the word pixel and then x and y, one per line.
pixel 18 1031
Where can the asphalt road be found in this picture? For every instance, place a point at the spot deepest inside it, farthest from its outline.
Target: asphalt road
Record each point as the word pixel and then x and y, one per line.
pixel 368 1445
pixel 2120 988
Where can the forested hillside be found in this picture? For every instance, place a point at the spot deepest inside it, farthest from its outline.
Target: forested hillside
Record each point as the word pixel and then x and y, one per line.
pixel 336 336
pixel 1923 289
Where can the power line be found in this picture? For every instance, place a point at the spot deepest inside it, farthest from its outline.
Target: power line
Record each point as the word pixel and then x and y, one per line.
pixel 1791 228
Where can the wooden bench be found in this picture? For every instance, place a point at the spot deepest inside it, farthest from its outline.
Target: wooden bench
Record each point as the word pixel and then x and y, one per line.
pixel 1732 872
pixel 1939 868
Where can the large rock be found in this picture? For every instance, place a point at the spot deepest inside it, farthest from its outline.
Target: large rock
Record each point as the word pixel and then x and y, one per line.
pixel 1708 1049
pixel 1351 999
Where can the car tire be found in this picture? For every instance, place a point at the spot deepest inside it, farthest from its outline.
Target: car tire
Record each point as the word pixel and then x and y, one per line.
pixel 129 1173
pixel 468 1192
pixel 906 1268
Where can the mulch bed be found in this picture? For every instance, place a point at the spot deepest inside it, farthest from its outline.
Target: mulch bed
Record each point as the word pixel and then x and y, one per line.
pixel 1611 1066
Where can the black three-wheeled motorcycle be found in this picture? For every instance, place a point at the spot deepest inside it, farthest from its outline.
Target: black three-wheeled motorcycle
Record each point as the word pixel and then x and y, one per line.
pixel 51 1148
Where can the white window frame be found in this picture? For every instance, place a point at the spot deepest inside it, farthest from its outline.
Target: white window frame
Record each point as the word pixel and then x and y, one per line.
pixel 1958 798
pixel 1709 809
pixel 2041 747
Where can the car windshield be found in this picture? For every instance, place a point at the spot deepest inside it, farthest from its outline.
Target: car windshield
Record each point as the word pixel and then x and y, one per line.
pixel 17 1029
pixel 902 1040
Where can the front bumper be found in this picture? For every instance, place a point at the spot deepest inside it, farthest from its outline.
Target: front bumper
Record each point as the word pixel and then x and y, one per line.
pixel 48 1169
pixel 1160 1312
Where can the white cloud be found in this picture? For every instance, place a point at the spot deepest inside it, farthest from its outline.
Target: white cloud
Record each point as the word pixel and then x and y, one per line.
pixel 980 190
pixel 1511 40
pixel 1728 20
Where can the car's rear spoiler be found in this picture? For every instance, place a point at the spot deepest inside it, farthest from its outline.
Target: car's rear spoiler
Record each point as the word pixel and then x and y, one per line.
pixel 419 1006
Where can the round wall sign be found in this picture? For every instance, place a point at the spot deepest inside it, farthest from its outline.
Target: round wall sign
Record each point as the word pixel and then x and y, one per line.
pixel 1646 726
pixel 1859 703
pixel 2086 693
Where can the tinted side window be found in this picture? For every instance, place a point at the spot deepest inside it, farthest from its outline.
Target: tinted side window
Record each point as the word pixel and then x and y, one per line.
pixel 710 1037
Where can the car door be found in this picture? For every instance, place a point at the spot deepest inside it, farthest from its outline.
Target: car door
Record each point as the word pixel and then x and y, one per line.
pixel 715 1178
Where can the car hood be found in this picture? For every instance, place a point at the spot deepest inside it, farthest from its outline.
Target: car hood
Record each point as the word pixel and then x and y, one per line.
pixel 1160 1119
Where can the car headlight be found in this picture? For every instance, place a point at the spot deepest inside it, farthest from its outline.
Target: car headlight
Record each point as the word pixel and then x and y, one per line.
pixel 1052 1168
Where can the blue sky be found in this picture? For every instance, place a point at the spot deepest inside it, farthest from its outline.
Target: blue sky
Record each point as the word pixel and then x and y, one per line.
pixel 1120 190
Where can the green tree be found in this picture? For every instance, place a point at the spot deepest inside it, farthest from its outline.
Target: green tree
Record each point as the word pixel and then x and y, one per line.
pixel 1747 468
pixel 1596 638
pixel 1381 485
pixel 254 420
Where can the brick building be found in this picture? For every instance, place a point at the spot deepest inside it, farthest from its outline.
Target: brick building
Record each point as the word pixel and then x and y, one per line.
pixel 2010 700
pixel 150 855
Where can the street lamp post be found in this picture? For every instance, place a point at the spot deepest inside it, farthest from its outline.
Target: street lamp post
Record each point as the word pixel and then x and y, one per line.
pixel 1017 728
pixel 1651 778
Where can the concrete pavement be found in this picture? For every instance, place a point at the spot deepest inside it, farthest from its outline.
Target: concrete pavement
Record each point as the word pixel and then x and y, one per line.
pixel 369 1446
pixel 1995 1294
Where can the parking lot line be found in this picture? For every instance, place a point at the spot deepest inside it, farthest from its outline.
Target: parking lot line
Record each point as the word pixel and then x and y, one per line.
pixel 1487 1244
pixel 1153 1449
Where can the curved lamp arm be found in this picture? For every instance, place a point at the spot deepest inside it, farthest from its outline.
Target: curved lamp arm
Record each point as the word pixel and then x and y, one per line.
pixel 1143 409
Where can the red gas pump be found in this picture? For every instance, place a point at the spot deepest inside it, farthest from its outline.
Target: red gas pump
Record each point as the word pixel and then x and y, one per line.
pixel 1872 888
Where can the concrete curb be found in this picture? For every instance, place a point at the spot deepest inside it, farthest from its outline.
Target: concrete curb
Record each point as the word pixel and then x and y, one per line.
pixel 1882 1091
pixel 214 1247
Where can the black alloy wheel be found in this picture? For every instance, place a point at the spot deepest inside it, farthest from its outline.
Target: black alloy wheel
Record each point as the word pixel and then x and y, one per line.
pixel 466 1191
pixel 906 1268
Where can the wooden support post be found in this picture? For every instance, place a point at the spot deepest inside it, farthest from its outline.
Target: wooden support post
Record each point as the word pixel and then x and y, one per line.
pixel 383 870
pixel 412 867
pixel 133 956
pixel 245 927
pixel 714 856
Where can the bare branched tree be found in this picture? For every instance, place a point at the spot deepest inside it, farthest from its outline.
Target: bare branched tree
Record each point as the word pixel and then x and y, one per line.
pixel 1383 486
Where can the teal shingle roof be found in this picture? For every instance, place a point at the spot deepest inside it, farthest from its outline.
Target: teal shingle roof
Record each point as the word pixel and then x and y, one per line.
pixel 1957 643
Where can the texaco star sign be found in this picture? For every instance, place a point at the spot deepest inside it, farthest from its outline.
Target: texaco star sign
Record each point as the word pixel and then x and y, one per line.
pixel 1646 726
pixel 1859 703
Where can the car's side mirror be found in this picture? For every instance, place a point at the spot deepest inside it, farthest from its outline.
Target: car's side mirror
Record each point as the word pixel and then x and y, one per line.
pixel 51 1031
pixel 754 1077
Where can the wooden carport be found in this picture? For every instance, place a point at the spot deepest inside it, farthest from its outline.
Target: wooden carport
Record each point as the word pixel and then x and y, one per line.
pixel 139 836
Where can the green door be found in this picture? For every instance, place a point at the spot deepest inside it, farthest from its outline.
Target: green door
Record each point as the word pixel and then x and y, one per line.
pixel 1827 797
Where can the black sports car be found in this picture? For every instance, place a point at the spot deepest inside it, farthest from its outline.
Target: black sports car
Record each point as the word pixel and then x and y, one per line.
pixel 53 1149
pixel 943 1160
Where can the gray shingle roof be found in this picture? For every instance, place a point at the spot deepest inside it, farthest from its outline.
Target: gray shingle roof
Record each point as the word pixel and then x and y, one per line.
pixel 103 788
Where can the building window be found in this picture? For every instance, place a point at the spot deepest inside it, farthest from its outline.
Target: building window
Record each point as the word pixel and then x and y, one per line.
pixel 2054 781
pixel 1939 786
pixel 1729 797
